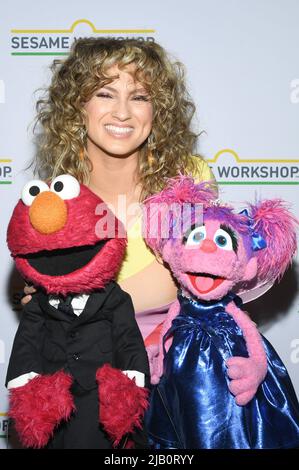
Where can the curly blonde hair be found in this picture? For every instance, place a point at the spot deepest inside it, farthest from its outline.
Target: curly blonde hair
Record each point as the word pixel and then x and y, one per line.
pixel 61 116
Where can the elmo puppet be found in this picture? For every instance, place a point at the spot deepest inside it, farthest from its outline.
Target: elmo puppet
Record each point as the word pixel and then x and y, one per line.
pixel 78 366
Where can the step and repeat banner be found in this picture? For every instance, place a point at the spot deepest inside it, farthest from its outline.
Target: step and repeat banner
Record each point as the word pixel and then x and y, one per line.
pixel 242 66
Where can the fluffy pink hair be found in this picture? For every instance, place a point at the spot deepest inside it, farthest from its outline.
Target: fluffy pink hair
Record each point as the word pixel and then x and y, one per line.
pixel 179 190
pixel 277 225
pixel 269 218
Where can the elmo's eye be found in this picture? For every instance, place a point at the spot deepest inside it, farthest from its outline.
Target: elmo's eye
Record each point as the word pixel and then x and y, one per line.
pixel 196 236
pixel 223 240
pixel 32 189
pixel 66 186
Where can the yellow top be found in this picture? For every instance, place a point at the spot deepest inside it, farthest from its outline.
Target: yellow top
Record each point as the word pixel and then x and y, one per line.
pixel 147 280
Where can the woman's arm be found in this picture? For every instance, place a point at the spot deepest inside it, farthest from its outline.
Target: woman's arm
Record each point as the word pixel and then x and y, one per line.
pixel 157 361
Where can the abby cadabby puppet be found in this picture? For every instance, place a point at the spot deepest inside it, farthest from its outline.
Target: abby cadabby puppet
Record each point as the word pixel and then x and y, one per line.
pixel 222 384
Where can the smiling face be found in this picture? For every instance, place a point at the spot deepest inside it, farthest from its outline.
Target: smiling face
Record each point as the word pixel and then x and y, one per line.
pixel 209 260
pixel 119 115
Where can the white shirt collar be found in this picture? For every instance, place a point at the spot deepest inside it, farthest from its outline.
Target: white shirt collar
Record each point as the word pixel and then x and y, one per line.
pixel 78 302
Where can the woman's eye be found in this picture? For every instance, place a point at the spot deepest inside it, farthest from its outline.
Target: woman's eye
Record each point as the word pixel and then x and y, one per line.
pixel 65 186
pixel 104 95
pixel 196 236
pixel 141 98
pixel 223 240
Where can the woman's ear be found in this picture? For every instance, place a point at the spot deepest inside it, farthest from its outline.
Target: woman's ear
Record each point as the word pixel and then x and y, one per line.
pixel 251 269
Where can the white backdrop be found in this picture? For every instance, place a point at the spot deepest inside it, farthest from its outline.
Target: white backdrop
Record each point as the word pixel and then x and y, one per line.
pixel 243 72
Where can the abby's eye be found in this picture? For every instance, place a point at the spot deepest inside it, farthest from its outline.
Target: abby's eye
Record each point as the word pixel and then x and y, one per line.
pixel 195 236
pixel 32 189
pixel 66 186
pixel 223 240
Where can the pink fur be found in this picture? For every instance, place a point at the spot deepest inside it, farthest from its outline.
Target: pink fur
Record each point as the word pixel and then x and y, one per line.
pixel 277 225
pixel 223 263
pixel 152 354
pixel 122 403
pixel 182 189
pixel 179 190
pixel 273 221
pixel 39 406
pixel 246 373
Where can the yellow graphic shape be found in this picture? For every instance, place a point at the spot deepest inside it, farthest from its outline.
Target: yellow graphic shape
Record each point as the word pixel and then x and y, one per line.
pixel 249 160
pixel 89 23
pixel 5 160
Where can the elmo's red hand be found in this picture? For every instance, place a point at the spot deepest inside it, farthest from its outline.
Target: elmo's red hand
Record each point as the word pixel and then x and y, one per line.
pixel 39 406
pixel 121 402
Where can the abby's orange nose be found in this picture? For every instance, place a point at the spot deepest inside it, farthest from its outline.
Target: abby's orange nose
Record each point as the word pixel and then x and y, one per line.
pixel 48 213
pixel 208 246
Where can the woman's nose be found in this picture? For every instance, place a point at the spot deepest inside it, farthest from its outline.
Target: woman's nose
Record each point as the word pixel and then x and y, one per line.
pixel 48 213
pixel 208 246
pixel 121 110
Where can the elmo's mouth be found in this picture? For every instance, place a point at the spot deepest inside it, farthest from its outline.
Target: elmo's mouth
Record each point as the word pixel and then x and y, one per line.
pixel 204 282
pixel 63 261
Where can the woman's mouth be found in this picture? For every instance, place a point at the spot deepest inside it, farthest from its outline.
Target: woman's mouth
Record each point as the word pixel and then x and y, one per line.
pixel 204 282
pixel 119 131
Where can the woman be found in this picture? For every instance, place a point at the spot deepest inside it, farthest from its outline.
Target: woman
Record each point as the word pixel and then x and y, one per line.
pixel 117 116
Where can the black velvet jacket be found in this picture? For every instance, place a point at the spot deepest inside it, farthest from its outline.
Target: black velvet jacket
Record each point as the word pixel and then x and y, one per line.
pixel 48 340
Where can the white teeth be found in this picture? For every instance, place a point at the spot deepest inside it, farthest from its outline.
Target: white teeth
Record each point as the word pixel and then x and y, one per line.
pixel 118 130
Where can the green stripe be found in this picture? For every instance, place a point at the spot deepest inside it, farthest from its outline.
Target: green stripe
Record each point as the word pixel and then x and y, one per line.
pixel 5 182
pixel 39 53
pixel 259 182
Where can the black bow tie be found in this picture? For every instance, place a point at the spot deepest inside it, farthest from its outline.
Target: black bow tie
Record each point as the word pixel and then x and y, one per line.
pixel 65 305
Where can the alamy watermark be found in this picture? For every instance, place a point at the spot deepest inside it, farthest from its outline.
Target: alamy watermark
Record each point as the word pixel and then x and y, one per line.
pixel 294 91
pixel 157 220
pixel 294 357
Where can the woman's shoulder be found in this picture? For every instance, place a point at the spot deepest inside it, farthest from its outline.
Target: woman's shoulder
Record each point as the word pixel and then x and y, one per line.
pixel 202 171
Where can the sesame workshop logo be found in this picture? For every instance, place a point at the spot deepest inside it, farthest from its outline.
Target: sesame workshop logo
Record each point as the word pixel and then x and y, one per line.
pixel 55 42
pixel 230 169
pixel 5 171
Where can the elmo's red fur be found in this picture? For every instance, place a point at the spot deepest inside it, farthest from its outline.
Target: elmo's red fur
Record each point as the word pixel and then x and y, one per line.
pixel 122 403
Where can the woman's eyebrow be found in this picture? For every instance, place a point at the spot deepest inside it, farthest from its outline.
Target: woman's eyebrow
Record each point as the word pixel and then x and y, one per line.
pixel 107 87
pixel 135 90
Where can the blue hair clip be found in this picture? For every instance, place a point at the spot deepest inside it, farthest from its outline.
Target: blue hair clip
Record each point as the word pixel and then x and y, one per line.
pixel 258 242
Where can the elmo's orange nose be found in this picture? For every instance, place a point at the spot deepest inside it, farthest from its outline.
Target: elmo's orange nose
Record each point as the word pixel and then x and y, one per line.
pixel 208 246
pixel 48 213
